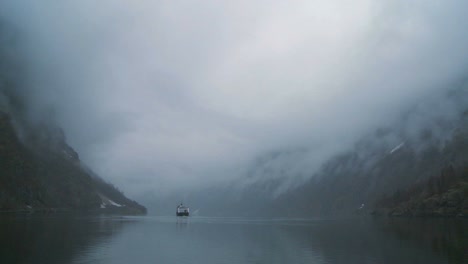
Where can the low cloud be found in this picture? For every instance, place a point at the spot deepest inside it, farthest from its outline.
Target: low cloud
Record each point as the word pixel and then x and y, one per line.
pixel 160 95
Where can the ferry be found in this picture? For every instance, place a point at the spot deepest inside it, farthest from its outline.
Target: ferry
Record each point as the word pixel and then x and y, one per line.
pixel 182 210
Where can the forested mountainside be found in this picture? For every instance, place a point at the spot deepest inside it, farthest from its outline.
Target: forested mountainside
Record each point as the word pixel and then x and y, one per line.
pixel 424 174
pixel 427 182
pixel 404 169
pixel 445 193
pixel 39 171
pixel 46 174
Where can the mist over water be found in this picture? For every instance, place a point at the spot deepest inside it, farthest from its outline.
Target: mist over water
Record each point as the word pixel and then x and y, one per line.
pixel 163 96
pixel 331 110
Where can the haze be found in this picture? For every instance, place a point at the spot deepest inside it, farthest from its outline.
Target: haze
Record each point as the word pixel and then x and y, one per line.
pixel 161 95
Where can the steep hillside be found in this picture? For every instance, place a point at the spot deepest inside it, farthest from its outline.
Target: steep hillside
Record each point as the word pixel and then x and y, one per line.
pixel 39 171
pixel 46 174
pixel 415 167
pixel 425 175
pixel 443 194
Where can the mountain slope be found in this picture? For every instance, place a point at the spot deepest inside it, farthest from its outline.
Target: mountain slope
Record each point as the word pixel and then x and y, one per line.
pixel 38 169
pixel 46 174
pixel 380 173
pixel 358 181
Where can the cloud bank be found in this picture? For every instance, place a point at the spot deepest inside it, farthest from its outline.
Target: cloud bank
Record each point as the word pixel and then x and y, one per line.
pixel 161 95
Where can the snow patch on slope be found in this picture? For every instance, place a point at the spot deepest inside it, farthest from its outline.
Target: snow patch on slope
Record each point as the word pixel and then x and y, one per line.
pixel 397 147
pixel 105 201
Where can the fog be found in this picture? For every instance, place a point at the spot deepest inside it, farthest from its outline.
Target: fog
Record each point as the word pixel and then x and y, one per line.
pixel 161 95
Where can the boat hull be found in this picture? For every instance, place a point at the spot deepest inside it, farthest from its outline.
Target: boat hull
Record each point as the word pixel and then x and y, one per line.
pixel 182 213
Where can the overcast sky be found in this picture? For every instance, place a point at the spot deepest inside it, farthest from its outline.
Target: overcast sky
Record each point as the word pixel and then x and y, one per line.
pixel 159 94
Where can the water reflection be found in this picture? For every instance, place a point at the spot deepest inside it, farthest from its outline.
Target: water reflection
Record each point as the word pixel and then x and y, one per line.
pixel 239 240
pixel 446 237
pixel 54 239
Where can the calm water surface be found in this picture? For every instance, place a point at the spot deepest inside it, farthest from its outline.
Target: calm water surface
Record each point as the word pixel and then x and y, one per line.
pixel 80 239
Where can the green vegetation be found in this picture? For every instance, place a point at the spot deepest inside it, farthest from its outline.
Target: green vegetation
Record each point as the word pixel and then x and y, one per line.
pixel 39 171
pixel 442 195
pixel 47 175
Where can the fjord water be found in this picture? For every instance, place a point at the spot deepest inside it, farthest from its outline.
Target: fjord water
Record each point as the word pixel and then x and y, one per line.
pixel 60 238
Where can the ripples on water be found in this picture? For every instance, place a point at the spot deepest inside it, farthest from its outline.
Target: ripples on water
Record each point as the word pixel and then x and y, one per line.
pixel 78 239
